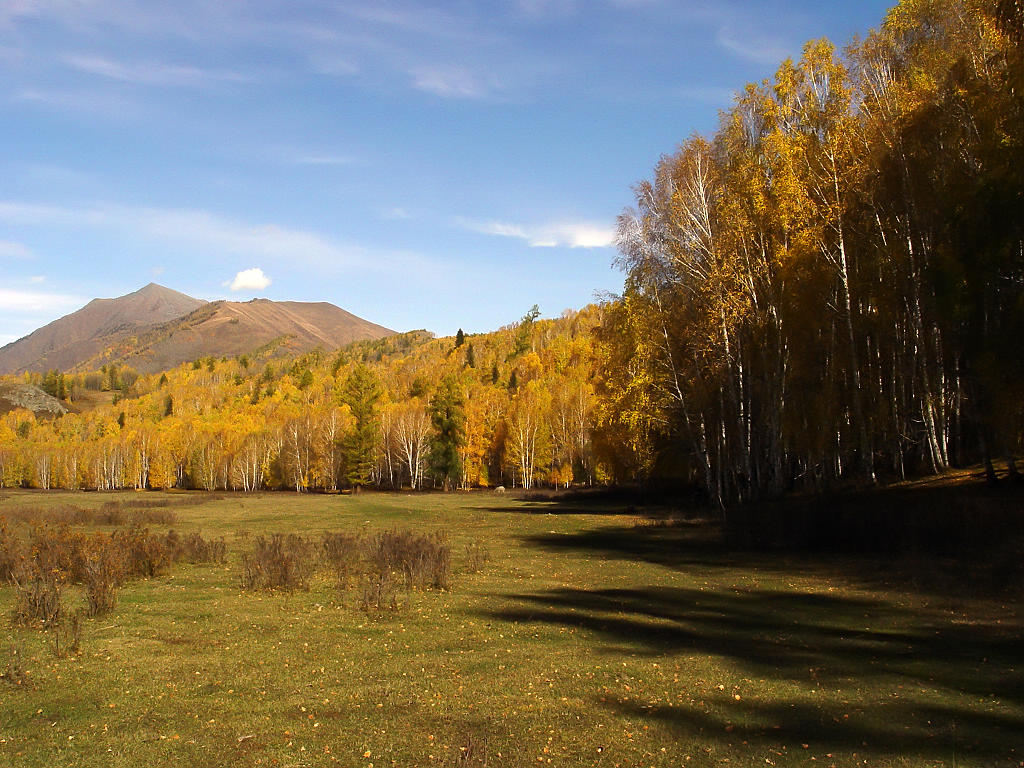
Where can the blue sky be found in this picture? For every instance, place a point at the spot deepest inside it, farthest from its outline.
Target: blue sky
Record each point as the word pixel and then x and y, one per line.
pixel 437 165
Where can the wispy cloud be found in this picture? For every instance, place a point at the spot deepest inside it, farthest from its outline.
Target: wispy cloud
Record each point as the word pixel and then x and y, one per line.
pixel 102 103
pixel 398 213
pixel 450 82
pixel 11 250
pixel 322 159
pixel 37 302
pixel 210 233
pixel 150 73
pixel 578 234
pixel 249 280
pixel 752 47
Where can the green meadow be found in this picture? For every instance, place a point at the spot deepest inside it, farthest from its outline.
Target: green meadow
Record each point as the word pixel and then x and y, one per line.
pixel 593 634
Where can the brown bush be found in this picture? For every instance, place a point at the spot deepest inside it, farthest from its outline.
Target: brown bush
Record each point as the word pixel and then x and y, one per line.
pixel 67 635
pixel 14 671
pixel 343 553
pixel 476 556
pixel 422 560
pixel 11 552
pixel 196 549
pixel 103 570
pixel 378 593
pixel 54 552
pixel 38 597
pixel 280 562
pixel 146 554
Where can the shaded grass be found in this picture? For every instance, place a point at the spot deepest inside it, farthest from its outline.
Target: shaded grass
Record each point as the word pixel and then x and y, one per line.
pixel 585 639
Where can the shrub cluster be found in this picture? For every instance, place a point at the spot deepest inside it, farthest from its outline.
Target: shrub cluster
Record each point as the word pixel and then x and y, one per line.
pixel 279 562
pixel 136 512
pixel 421 560
pixel 379 562
pixel 101 563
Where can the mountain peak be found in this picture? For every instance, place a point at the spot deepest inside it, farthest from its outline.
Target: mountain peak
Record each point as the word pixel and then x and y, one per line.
pixel 157 327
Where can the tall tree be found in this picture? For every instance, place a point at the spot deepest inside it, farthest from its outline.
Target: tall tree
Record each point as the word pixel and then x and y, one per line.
pixel 361 393
pixel 448 419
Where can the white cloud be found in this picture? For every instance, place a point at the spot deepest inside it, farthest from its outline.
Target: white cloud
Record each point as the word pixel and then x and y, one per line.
pixel 148 73
pixel 580 234
pixel 752 47
pixel 211 234
pixel 449 82
pixel 37 279
pixel 398 213
pixel 249 280
pixel 34 302
pixel 11 250
pixel 323 159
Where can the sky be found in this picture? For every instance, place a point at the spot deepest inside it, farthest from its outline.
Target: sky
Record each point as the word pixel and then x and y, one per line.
pixel 422 164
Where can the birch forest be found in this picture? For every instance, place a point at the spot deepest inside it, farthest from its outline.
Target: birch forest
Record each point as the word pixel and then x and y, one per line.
pixel 829 290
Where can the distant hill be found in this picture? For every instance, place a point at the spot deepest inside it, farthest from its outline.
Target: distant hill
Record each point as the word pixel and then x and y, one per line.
pixel 229 328
pixel 156 328
pixel 65 343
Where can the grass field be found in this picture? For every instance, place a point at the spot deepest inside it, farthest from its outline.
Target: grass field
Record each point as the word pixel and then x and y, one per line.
pixel 591 637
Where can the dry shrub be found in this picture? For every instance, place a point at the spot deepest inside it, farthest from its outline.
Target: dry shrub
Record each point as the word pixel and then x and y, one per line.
pixel 38 597
pixel 11 552
pixel 154 517
pixel 110 513
pixel 146 554
pixel 103 570
pixel 14 672
pixel 343 553
pixel 378 593
pixel 196 549
pixel 67 635
pixel 54 552
pixel 280 562
pixel 476 556
pixel 422 560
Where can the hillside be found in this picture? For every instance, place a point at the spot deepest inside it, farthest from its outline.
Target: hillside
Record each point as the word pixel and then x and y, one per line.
pixel 229 328
pixel 72 339
pixel 156 328
pixel 15 395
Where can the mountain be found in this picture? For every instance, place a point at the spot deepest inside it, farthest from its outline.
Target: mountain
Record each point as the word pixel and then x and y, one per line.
pixel 66 342
pixel 229 328
pixel 156 328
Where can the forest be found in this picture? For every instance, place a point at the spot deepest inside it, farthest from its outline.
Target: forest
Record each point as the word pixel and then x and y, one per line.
pixel 828 291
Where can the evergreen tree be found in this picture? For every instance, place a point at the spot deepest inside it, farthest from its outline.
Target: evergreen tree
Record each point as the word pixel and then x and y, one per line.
pixel 447 413
pixel 470 357
pixel 460 339
pixel 361 393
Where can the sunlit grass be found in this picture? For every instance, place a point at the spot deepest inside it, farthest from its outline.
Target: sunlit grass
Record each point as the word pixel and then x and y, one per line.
pixel 559 650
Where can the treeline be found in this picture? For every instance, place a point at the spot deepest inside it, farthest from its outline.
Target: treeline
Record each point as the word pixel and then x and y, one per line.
pixel 514 407
pixel 831 287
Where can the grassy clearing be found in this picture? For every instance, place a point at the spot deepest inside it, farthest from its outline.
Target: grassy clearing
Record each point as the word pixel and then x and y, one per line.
pixel 588 637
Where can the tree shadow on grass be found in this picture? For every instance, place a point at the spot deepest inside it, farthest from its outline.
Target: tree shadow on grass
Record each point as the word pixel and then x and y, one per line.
pixel 964 539
pixel 838 672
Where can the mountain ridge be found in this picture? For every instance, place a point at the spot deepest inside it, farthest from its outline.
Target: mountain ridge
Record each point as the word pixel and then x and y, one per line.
pixel 155 328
